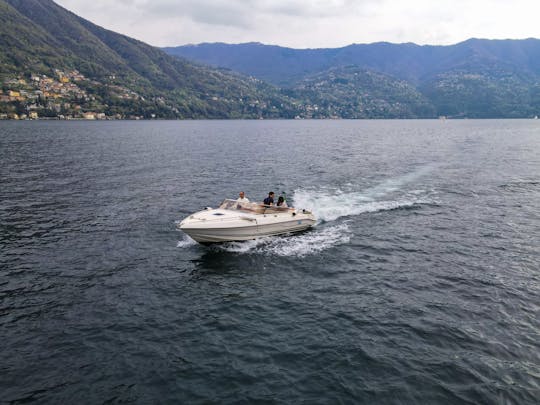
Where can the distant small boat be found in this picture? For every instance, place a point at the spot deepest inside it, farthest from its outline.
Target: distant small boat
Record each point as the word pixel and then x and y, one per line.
pixel 236 221
pixel 535 117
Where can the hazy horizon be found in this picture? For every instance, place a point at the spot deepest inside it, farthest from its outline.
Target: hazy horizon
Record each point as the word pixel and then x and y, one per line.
pixel 357 43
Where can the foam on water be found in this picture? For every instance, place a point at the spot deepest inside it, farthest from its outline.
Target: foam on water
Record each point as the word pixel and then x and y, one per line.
pixel 298 245
pixel 331 204
pixel 186 242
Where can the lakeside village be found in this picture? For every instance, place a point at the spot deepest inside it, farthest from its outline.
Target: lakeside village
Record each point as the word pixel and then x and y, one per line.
pixel 60 97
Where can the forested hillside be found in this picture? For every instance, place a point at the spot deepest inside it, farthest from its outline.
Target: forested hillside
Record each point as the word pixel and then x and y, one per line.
pixel 53 62
pixel 476 78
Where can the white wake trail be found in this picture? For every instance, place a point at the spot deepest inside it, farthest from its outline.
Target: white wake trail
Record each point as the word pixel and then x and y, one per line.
pixel 298 245
pixel 329 205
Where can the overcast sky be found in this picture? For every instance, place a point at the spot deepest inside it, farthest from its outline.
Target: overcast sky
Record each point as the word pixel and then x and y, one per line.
pixel 312 23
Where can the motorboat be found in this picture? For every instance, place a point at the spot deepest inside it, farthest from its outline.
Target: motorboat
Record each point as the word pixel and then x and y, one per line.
pixel 238 221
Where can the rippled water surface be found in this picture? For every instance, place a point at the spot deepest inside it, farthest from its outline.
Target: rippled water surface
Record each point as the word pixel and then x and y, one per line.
pixel 419 284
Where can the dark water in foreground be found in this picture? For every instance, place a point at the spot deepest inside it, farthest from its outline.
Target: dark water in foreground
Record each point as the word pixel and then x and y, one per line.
pixel 420 284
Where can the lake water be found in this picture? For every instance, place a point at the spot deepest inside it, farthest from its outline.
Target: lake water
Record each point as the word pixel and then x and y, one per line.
pixel 419 284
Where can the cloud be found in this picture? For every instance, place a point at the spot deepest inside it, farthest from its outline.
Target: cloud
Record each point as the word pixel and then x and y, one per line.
pixel 312 23
pixel 233 13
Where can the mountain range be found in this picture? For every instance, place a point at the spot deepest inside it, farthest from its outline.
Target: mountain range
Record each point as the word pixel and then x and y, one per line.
pixel 476 78
pixel 54 63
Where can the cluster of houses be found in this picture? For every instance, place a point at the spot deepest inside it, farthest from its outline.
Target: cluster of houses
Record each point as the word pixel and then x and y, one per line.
pixel 60 96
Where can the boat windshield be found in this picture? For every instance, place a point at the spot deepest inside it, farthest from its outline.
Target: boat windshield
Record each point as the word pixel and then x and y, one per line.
pixel 253 207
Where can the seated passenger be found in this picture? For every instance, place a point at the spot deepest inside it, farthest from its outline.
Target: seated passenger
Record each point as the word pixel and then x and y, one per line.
pixel 281 202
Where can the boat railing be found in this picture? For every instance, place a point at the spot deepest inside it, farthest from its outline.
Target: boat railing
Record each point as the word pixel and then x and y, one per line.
pixel 253 207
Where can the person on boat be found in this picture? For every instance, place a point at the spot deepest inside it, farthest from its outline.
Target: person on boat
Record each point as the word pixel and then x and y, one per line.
pixel 270 199
pixel 281 202
pixel 242 197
